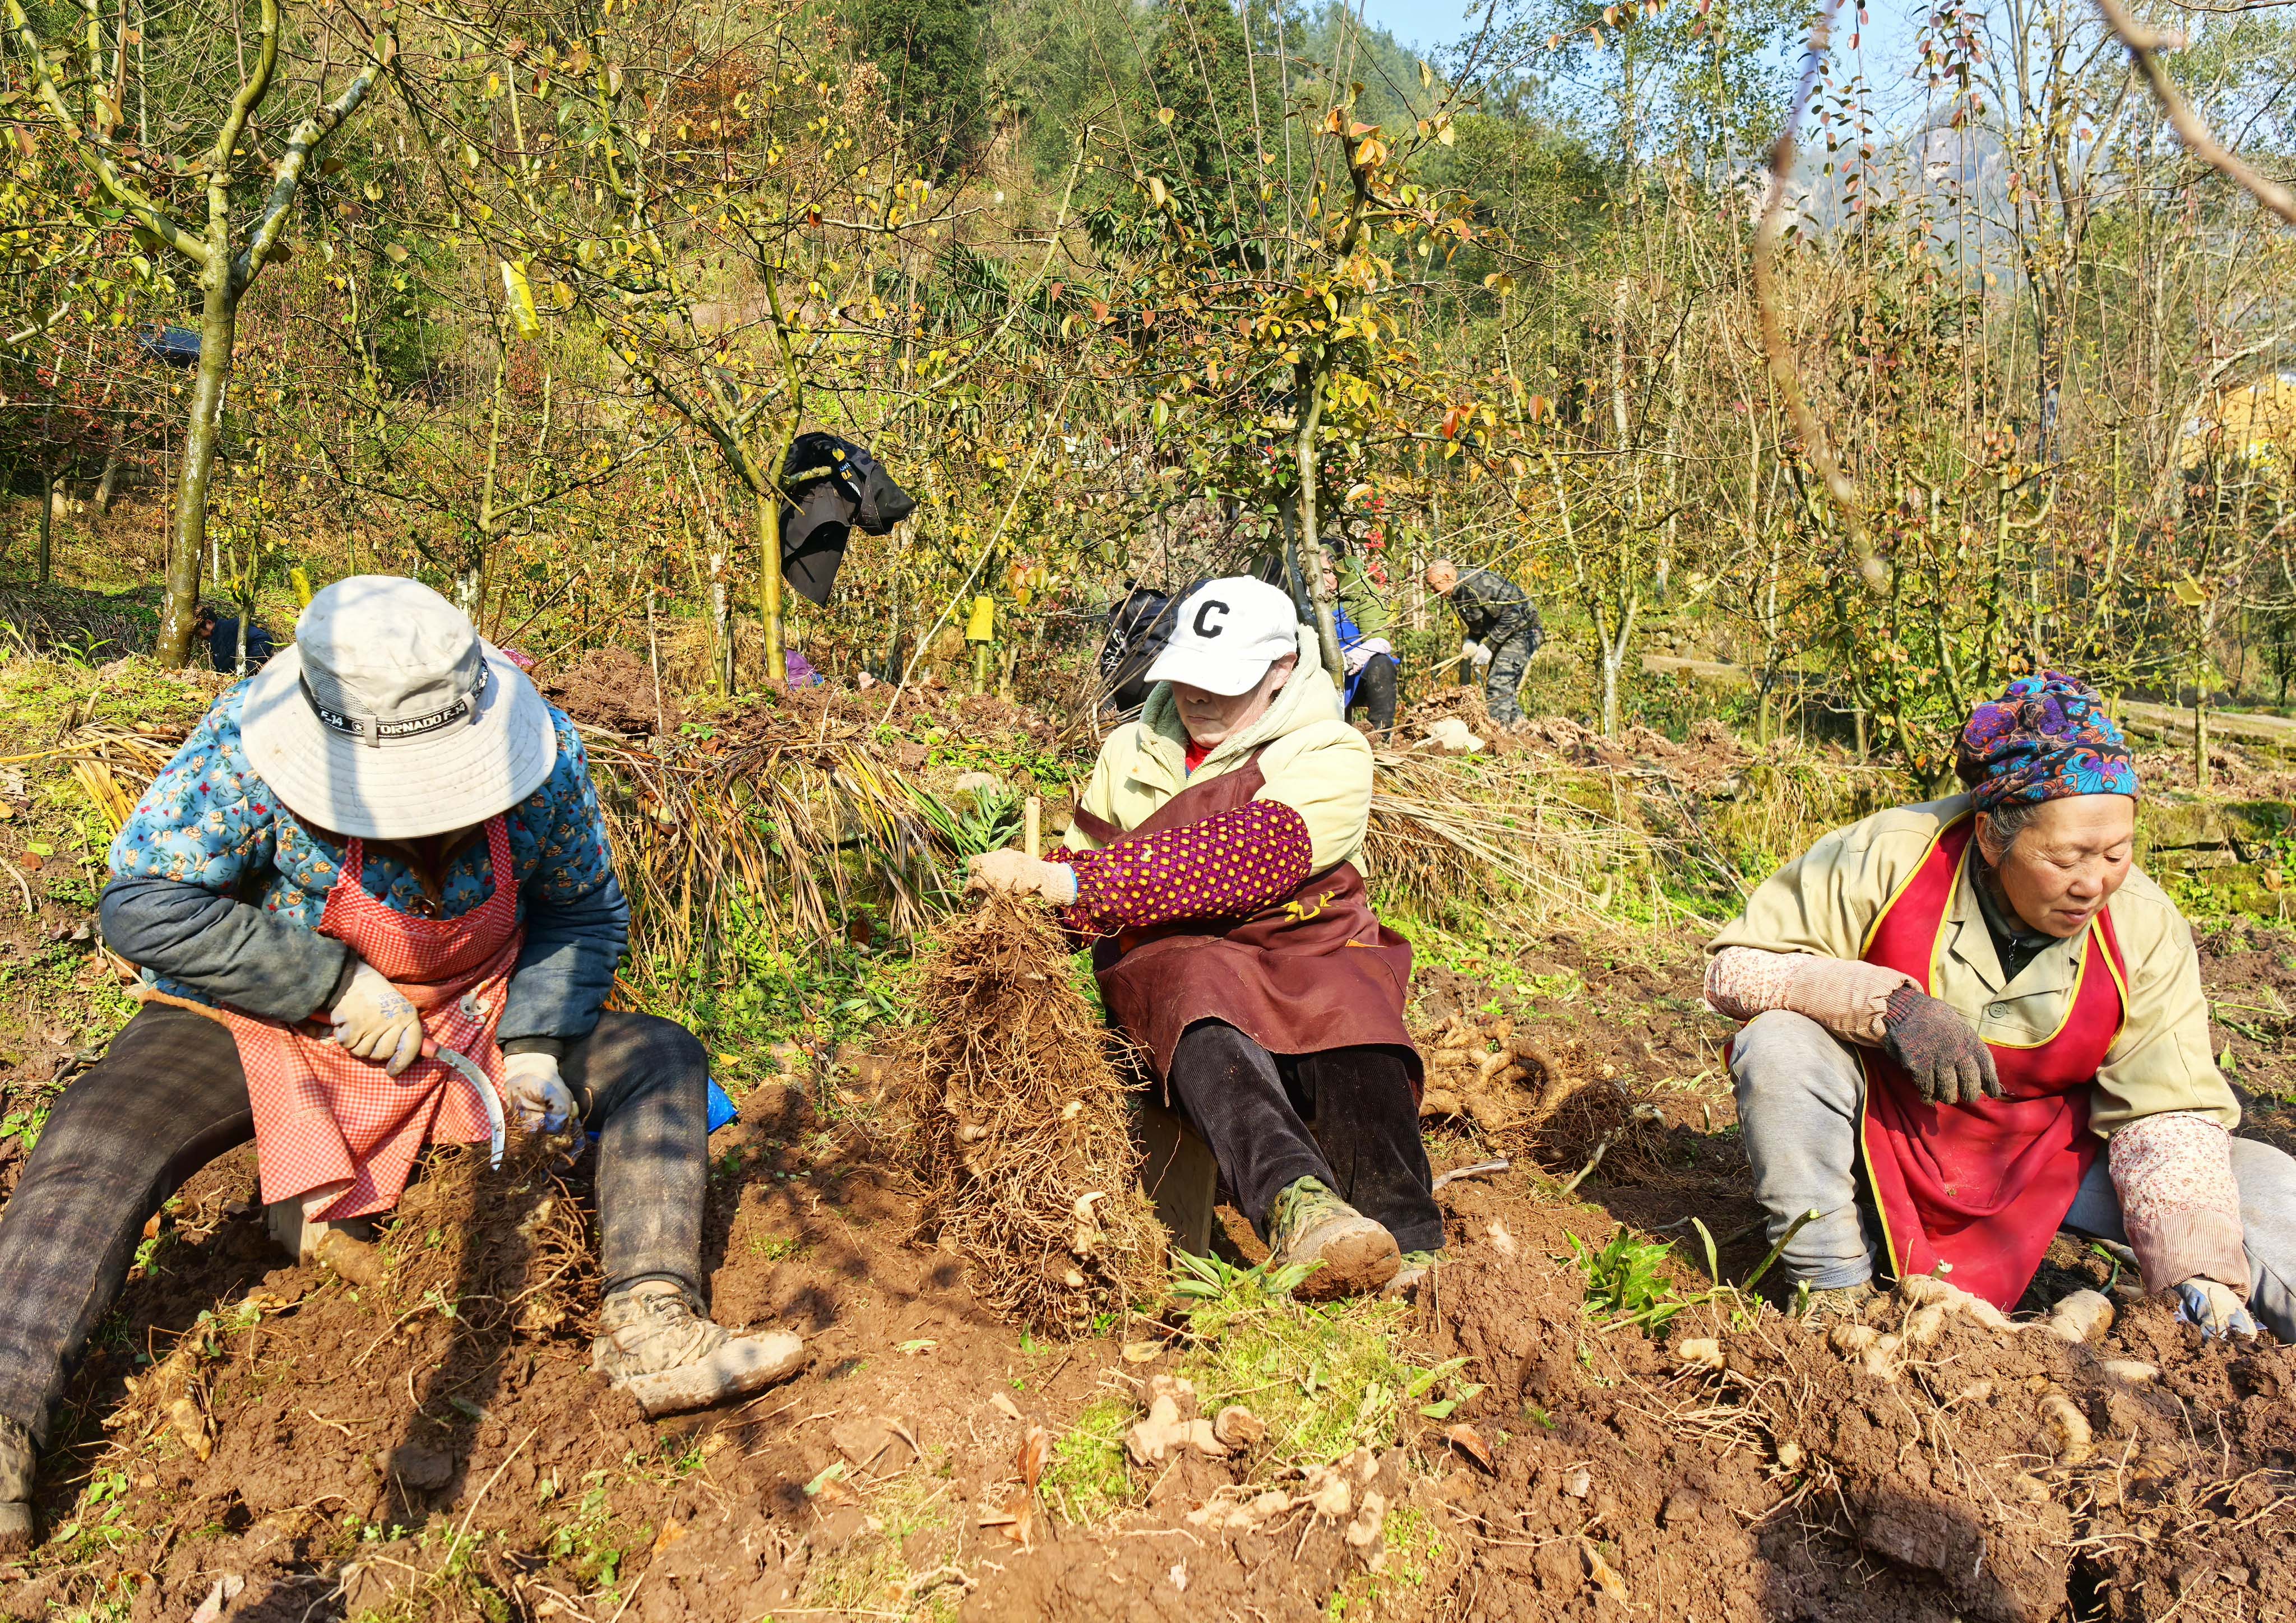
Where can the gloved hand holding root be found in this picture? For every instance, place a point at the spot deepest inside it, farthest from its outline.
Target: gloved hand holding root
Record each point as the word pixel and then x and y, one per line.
pixel 538 1095
pixel 1010 873
pixel 1948 1061
pixel 2217 1309
pixel 376 1021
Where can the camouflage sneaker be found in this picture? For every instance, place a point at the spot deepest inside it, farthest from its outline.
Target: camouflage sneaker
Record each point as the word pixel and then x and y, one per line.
pixel 1417 1269
pixel 1843 1302
pixel 1310 1223
pixel 18 1455
pixel 649 1328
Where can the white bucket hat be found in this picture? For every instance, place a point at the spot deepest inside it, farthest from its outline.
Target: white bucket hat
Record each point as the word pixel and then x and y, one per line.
pixel 1226 635
pixel 389 717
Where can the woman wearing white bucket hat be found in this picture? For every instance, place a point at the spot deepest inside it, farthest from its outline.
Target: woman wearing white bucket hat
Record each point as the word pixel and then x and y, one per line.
pixel 381 853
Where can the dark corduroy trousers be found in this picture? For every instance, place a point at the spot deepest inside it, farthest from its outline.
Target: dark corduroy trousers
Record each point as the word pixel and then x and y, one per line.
pixel 168 1096
pixel 1346 1116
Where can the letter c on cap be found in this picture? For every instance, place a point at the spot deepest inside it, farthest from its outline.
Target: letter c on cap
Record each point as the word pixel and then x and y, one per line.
pixel 1204 613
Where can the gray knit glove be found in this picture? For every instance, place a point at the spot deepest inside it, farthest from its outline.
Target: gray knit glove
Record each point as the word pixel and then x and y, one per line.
pixel 1948 1061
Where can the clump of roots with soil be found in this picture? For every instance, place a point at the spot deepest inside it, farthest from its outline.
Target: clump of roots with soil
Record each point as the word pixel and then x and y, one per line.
pixel 1022 1148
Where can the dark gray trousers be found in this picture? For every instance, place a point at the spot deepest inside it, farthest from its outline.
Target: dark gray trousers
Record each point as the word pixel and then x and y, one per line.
pixel 168 1096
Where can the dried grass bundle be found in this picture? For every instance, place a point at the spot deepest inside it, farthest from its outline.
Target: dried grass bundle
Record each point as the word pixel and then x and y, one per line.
pixel 1023 1146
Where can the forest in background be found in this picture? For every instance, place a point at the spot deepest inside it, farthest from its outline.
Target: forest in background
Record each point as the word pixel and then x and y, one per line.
pixel 532 303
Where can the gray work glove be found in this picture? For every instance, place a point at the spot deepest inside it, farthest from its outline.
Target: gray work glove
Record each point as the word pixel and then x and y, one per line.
pixel 537 1094
pixel 1474 653
pixel 1013 873
pixel 2216 1309
pixel 1948 1061
pixel 375 1021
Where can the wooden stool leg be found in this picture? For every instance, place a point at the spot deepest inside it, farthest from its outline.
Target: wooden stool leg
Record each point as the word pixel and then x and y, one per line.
pixel 1179 1174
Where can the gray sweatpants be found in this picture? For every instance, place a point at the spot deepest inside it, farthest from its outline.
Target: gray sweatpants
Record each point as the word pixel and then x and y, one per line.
pixel 1801 1095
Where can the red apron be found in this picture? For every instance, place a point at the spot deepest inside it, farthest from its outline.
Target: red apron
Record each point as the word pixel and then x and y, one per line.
pixel 1310 971
pixel 1982 1187
pixel 324 1117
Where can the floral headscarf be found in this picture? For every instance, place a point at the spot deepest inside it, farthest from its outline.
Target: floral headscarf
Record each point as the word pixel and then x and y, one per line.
pixel 2045 737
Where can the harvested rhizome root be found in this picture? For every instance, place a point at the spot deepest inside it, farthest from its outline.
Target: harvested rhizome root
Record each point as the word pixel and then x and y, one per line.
pixel 1023 1151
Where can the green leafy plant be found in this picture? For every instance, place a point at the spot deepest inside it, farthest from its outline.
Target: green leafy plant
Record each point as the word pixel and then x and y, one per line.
pixel 1623 1280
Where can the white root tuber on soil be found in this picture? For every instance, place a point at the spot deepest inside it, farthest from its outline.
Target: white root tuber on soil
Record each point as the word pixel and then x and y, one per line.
pixel 2083 1318
pixel 735 1370
pixel 2135 1372
pixel 1700 1352
pixel 1922 1289
pixel 2068 1427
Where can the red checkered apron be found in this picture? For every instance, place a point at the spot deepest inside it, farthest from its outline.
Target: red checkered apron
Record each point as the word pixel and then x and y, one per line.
pixel 326 1119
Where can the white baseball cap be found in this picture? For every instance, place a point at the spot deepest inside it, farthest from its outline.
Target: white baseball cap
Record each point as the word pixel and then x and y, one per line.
pixel 390 718
pixel 1226 635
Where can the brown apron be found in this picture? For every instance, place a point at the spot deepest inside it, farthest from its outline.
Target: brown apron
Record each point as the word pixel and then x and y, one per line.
pixel 1313 971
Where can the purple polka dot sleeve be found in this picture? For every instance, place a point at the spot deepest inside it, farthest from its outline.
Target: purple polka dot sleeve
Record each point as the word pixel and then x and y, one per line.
pixel 1230 865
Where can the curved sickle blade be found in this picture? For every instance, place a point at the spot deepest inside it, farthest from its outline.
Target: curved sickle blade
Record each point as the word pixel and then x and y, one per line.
pixel 468 1070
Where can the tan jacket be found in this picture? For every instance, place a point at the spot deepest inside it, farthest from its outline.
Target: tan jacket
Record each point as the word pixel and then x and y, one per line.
pixel 1825 901
pixel 1313 763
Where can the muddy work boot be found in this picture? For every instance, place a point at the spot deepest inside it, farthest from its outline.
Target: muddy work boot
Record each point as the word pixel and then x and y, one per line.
pixel 668 1359
pixel 649 1328
pixel 1310 1223
pixel 18 1454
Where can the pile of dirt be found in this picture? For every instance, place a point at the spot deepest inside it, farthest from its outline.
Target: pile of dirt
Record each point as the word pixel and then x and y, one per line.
pixel 612 688
pixel 1023 1144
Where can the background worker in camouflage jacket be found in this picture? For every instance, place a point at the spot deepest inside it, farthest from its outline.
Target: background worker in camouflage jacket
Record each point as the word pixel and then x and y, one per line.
pixel 1501 627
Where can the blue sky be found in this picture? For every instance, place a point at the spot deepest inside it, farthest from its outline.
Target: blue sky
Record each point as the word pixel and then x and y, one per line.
pixel 1886 41
pixel 1422 23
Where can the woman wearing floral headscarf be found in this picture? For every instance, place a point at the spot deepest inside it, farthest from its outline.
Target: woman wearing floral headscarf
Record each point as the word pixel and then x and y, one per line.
pixel 1973 1021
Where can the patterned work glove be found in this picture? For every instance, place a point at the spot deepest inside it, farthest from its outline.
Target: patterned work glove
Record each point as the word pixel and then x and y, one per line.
pixel 1010 873
pixel 2216 1309
pixel 1474 653
pixel 537 1094
pixel 374 1019
pixel 1944 1057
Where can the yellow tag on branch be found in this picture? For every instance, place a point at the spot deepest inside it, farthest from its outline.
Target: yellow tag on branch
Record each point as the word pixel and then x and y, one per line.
pixel 981 627
pixel 522 301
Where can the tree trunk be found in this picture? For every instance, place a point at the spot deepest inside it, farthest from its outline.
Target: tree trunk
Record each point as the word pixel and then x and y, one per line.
pixel 47 523
pixel 769 581
pixel 107 488
pixel 1311 549
pixel 218 331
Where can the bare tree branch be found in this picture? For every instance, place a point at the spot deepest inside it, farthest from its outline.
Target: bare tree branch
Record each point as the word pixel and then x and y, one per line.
pixel 2145 46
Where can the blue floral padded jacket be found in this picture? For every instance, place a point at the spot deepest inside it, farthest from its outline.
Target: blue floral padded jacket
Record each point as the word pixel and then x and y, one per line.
pixel 217 891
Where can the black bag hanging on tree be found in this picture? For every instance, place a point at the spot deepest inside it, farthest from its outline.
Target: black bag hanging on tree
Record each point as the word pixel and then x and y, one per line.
pixel 833 485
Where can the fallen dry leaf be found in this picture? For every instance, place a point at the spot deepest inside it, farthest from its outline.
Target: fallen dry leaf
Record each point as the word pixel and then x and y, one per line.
pixel 225 1591
pixel 1004 1406
pixel 1035 1449
pixel 1470 1442
pixel 671 1532
pixel 1238 1427
pixel 1142 1352
pixel 1603 1572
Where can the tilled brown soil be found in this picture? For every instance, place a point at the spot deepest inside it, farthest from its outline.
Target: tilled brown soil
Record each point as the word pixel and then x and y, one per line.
pixel 437 1446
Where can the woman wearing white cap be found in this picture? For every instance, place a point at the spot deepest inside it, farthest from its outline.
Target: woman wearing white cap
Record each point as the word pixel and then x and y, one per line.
pixel 381 849
pixel 1214 852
